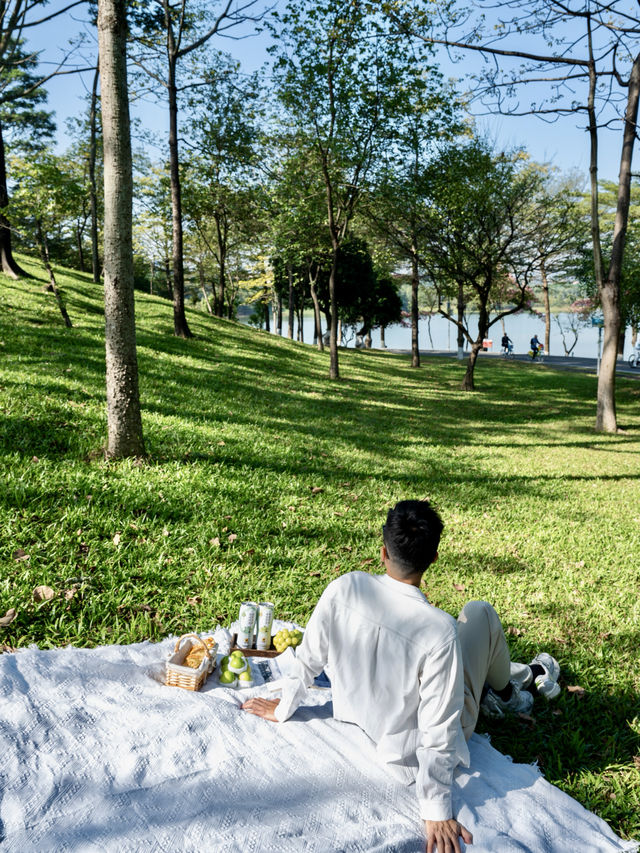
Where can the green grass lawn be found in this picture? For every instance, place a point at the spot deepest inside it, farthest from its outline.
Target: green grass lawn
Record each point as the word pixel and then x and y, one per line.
pixel 265 480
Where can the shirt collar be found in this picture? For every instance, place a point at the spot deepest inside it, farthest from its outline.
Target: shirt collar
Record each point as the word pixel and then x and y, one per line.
pixel 402 588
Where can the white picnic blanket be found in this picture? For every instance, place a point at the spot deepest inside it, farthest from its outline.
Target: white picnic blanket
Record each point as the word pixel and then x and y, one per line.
pixel 97 754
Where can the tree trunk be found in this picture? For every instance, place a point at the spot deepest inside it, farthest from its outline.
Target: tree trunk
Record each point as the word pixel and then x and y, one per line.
pixel 279 317
pixel 124 421
pixel 415 283
pixel 460 319
pixel 80 252
pixel 334 369
pixel 383 344
pixel 93 192
pixel 53 287
pixel 8 263
pixel 167 278
pixel 606 420
pixel 483 328
pixel 204 289
pixel 316 312
pixel 180 326
pixel 221 236
pixel 267 322
pixel 621 338
pixel 547 308
pixel 291 303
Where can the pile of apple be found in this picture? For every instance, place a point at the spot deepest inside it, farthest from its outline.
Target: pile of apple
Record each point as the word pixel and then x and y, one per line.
pixel 285 638
pixel 235 671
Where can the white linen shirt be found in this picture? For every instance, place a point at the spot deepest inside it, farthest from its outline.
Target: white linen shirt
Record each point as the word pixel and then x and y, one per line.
pixel 396 671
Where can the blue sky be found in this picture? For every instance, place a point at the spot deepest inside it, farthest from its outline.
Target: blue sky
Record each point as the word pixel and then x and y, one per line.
pixel 564 143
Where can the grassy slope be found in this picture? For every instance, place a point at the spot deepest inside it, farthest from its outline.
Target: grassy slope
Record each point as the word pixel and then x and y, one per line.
pixel 542 515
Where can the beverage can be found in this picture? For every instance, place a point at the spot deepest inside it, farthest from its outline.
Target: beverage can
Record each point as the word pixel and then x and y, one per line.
pixel 248 617
pixel 265 621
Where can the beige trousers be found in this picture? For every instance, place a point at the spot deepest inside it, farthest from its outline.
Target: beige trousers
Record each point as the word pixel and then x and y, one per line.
pixel 485 657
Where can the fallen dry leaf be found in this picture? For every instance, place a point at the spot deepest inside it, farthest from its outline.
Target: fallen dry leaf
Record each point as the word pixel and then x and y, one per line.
pixel 165 532
pixel 515 632
pixel 575 688
pixel 194 600
pixel 459 586
pixel 20 554
pixel 116 539
pixel 636 761
pixel 367 562
pixel 8 618
pixel 316 490
pixel 69 593
pixel 232 537
pixel 43 593
pixel 527 718
pixel 556 712
pixel 34 459
pixel 221 444
pixel 215 542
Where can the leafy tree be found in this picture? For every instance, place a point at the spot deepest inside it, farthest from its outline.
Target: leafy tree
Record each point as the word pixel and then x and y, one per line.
pixel 46 195
pixel 585 63
pixel 124 421
pixel 171 31
pixel 343 82
pixel 478 234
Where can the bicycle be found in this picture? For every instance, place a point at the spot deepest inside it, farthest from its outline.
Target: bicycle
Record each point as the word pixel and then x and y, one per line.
pixel 538 355
pixel 507 352
pixel 634 358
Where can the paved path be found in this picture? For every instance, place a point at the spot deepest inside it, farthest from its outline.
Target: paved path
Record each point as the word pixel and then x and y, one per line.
pixel 560 362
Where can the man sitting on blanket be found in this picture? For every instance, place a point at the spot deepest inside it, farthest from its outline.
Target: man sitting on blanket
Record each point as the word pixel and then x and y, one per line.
pixel 405 672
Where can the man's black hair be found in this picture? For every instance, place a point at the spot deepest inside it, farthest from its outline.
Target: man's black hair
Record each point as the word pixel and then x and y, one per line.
pixel 412 535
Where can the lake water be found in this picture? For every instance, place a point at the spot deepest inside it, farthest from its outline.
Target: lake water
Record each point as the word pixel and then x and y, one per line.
pixel 519 327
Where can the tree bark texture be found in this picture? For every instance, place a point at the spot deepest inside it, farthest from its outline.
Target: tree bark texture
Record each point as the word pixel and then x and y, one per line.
pixel 124 420
pixel 93 192
pixel 8 264
pixel 483 328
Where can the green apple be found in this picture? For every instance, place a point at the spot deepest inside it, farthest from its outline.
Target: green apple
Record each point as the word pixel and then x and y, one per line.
pixel 224 663
pixel 227 677
pixel 245 676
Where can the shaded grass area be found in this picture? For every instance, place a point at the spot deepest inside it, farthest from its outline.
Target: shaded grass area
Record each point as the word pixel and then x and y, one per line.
pixel 265 480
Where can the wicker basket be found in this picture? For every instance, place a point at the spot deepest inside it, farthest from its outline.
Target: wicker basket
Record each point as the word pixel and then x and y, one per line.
pixel 187 677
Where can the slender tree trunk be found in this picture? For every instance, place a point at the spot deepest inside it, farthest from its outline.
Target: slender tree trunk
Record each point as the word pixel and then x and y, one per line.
pixel 291 303
pixel 180 326
pixel 334 368
pixel 460 320
pixel 221 236
pixel 383 344
pixel 204 289
pixel 547 308
pixel 267 322
pixel 279 317
pixel 93 191
pixel 415 317
pixel 621 338
pixel 167 277
pixel 8 263
pixel 80 252
pixel 46 261
pixel 483 328
pixel 124 421
pixel 317 324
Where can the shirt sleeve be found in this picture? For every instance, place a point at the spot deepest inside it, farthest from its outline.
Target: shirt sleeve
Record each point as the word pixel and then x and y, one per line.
pixel 441 744
pixel 311 658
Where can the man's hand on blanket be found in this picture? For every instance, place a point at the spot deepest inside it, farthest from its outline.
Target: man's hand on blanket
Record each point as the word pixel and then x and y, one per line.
pixel 262 708
pixel 442 836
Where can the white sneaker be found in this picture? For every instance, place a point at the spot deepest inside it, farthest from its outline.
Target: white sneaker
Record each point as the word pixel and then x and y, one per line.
pixel 521 702
pixel 547 684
